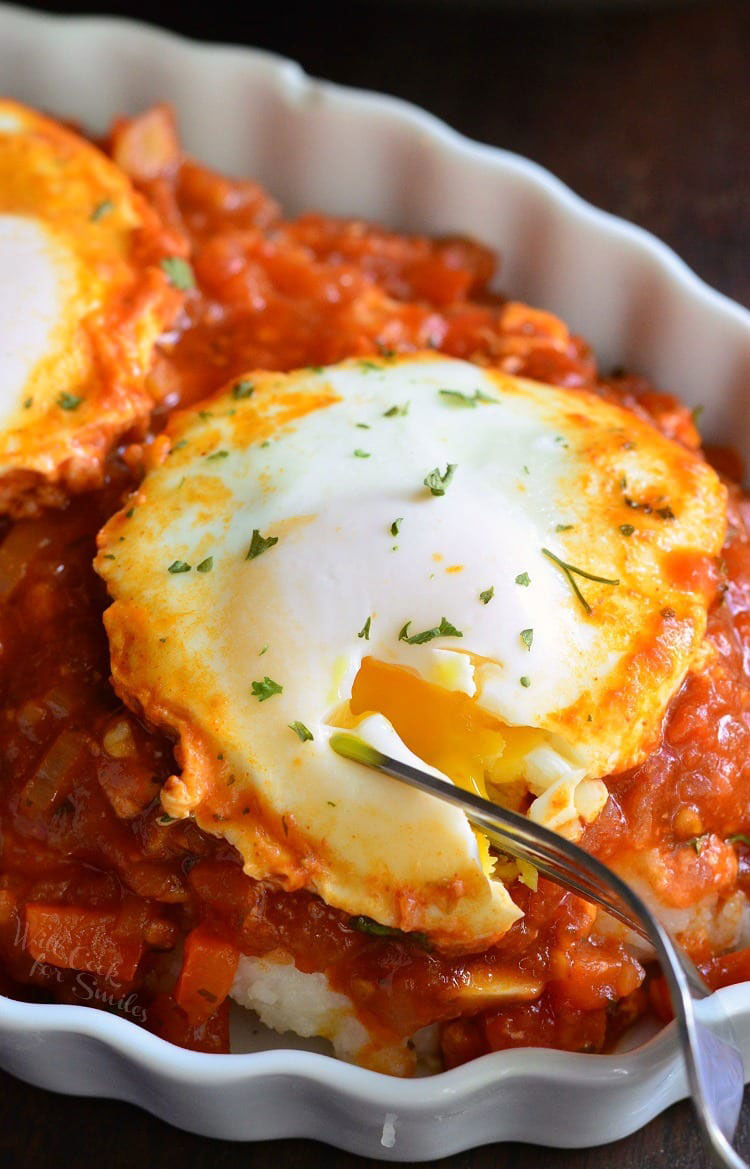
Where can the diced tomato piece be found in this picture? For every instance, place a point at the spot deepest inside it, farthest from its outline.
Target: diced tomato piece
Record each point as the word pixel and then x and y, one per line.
pixel 168 1020
pixel 208 969
pixel 726 969
pixel 82 939
pixel 462 1040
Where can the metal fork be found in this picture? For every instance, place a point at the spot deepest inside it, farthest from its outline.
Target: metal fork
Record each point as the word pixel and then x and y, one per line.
pixel 714 1065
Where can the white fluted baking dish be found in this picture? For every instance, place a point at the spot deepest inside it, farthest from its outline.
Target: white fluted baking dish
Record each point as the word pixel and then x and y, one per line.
pixel 317 146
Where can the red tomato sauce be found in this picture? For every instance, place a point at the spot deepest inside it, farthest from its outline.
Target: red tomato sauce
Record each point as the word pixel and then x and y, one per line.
pixel 103 899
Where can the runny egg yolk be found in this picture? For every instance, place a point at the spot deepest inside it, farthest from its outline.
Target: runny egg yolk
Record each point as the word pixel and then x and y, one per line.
pixel 447 729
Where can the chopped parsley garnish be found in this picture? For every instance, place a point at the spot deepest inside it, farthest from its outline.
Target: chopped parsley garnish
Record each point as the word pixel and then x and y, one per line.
pixel 571 572
pixel 363 426
pixel 101 210
pixel 260 544
pixel 360 454
pixel 523 579
pixel 179 566
pixel 265 689
pixel 527 637
pixel 165 819
pixel 301 731
pixel 627 529
pixel 444 629
pixel 525 682
pixel 563 527
pixel 397 411
pixel 68 401
pixel 487 595
pixel 242 389
pixel 315 368
pixel 697 843
pixel 365 630
pixel 396 525
pixel 205 565
pixel 526 470
pixel 28 403
pixel 178 272
pixel 456 398
pixel 367 365
pixel 738 837
pixel 217 455
pixel 383 350
pixel 436 482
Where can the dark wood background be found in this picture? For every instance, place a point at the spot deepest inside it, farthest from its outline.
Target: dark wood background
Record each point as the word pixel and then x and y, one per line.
pixel 644 110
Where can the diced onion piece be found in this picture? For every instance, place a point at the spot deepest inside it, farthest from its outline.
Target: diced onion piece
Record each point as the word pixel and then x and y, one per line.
pixel 118 740
pixel 55 775
pixel 16 551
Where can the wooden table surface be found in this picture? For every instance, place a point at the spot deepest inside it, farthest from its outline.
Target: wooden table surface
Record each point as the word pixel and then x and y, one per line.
pixel 645 112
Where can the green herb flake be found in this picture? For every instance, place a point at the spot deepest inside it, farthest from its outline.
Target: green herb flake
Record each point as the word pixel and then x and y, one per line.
pixel 563 527
pixel 212 458
pixel 698 843
pixel 444 629
pixel 627 529
pixel 262 651
pixel 366 925
pixel 302 732
pixel 205 565
pixel 101 210
pixel 523 579
pixel 330 803
pixel 738 838
pixel 242 389
pixel 365 630
pixel 68 401
pixel 396 526
pixel 571 572
pixel 397 411
pixel 265 689
pixel 486 596
pixel 527 637
pixel 109 556
pixel 526 470
pixel 178 272
pixel 457 398
pixel 178 566
pixel 363 426
pixel 260 544
pixel 436 482
pixel 360 454
pixel 525 681
pixel 695 415
pixel 165 819
pixel 129 513
pixel 28 403
pixel 369 365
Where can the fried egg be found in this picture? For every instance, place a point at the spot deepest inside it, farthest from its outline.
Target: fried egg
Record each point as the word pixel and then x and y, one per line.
pixel 503 580
pixel 83 298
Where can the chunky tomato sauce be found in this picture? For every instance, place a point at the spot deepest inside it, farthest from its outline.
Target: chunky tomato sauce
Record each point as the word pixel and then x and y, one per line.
pixel 104 900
